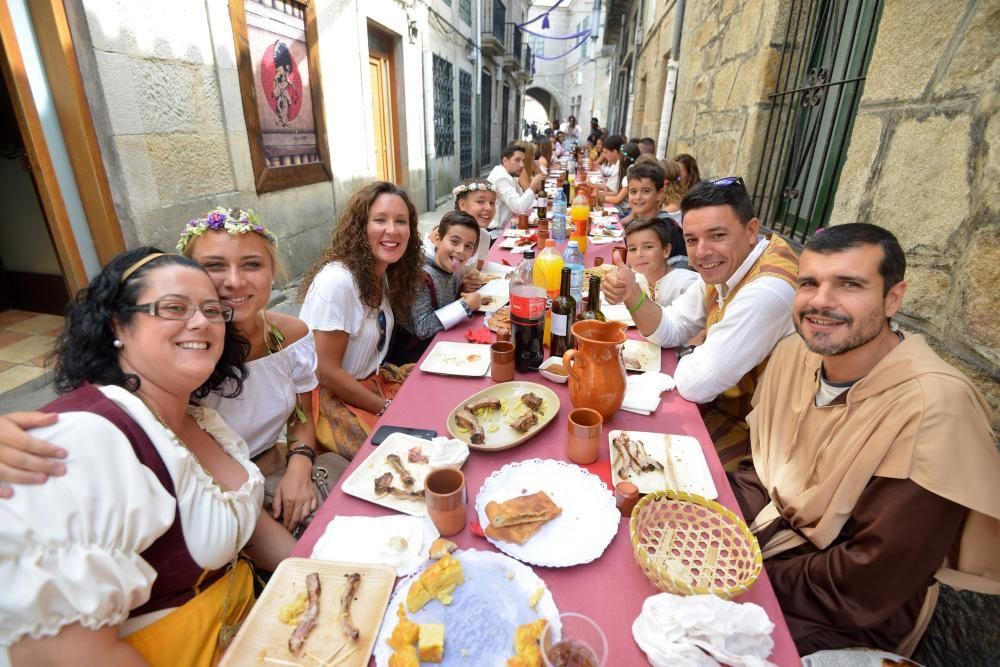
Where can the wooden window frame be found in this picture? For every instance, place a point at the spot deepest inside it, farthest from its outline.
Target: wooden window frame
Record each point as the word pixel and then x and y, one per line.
pixel 269 179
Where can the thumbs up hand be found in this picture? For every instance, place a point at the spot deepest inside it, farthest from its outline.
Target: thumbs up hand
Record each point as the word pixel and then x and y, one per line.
pixel 618 283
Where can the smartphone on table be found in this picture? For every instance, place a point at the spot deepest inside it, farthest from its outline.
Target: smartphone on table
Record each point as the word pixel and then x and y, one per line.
pixel 383 432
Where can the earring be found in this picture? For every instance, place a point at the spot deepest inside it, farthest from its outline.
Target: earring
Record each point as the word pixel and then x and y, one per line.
pixel 117 344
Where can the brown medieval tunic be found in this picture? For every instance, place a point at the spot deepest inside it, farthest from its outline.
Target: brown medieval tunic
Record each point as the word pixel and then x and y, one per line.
pixel 895 478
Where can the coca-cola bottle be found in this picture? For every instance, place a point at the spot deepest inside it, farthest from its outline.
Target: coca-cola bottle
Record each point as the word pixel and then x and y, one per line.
pixel 527 315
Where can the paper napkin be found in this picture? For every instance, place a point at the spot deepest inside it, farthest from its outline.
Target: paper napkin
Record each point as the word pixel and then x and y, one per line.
pixel 401 542
pixel 642 392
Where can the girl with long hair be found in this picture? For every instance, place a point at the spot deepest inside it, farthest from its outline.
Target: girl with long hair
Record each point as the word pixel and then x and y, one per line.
pixel 690 176
pixel 362 283
pixel 673 189
pixel 529 171
pixel 545 155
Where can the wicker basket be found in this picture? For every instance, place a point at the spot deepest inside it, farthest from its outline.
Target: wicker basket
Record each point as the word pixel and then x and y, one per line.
pixel 689 545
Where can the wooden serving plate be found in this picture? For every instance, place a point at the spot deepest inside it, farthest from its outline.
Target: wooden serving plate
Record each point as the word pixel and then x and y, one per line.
pixel 263 638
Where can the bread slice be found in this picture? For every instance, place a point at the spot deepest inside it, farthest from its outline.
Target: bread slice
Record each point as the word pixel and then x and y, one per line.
pixel 526 509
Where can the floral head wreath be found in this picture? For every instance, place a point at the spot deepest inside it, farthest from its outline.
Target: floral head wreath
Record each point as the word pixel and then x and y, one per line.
pixel 232 221
pixel 462 188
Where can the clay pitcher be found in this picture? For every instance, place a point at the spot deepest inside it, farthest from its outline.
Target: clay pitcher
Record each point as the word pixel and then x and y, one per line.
pixel 596 369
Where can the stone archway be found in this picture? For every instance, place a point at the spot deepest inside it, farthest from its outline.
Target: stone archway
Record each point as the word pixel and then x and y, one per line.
pixel 545 97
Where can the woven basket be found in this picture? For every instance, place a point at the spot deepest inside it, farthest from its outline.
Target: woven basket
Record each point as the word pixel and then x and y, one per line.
pixel 690 545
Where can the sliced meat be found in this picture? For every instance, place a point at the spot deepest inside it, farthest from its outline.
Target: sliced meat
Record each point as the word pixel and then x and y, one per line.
pixel 350 631
pixel 383 486
pixel 468 421
pixel 383 483
pixel 489 403
pixel 646 462
pixel 524 422
pixel 416 455
pixel 532 401
pixel 404 475
pixel 308 622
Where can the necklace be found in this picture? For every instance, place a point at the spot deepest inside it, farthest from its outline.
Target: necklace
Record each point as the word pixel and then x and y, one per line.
pixel 226 630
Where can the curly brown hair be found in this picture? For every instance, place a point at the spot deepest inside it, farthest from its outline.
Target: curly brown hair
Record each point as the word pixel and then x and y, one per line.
pixel 350 247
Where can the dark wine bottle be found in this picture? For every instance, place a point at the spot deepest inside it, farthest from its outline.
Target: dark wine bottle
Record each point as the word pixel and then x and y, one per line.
pixel 563 316
pixel 593 309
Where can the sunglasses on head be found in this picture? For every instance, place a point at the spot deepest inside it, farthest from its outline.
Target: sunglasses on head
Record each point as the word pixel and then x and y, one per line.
pixel 726 181
pixel 381 331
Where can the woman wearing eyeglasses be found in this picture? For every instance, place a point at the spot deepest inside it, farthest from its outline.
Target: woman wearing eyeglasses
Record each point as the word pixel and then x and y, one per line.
pixel 370 270
pixel 131 556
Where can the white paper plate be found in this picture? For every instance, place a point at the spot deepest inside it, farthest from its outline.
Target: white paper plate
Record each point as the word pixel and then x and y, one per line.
pixel 617 313
pixel 361 483
pixel 641 355
pixel 686 461
pixel 589 519
pixel 499 289
pixel 510 243
pixel 465 359
pixel 486 610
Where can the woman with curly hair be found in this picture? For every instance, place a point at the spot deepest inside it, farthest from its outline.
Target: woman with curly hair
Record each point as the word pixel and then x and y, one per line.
pixel 365 279
pixel 131 557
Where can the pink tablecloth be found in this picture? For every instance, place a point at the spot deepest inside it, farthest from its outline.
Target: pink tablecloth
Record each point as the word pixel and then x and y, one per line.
pixel 610 590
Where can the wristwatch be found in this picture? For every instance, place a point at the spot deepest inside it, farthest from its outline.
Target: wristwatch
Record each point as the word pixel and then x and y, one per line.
pixel 684 351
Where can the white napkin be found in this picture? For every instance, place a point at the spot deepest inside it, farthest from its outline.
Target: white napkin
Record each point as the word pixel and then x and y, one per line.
pixel 642 392
pixel 601 240
pixel 371 540
pixel 446 452
pixel 703 631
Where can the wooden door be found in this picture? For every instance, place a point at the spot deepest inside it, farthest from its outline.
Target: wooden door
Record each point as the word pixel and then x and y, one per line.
pixel 382 105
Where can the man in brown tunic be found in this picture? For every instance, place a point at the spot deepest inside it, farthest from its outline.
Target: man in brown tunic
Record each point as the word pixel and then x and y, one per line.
pixel 874 470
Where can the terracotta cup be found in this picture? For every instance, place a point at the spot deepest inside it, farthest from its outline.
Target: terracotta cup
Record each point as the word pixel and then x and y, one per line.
pixel 445 493
pixel 502 361
pixel 620 251
pixel 585 429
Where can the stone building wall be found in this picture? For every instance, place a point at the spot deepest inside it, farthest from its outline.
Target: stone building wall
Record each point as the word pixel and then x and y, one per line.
pixel 924 162
pixel 162 85
pixel 924 154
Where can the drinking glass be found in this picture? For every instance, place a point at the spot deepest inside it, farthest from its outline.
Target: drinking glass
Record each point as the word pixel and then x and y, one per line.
pixel 581 643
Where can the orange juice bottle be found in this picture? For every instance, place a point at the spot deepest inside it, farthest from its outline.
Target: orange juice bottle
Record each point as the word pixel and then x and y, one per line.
pixel 579 213
pixel 547 274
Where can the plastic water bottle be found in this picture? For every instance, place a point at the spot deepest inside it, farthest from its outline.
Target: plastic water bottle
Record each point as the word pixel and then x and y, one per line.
pixel 558 229
pixel 573 260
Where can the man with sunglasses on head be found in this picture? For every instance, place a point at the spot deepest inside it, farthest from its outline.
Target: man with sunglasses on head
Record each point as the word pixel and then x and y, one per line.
pixel 743 300
pixel 874 468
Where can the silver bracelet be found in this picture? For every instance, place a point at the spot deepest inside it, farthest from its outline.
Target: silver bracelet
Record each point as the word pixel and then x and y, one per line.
pixel 385 407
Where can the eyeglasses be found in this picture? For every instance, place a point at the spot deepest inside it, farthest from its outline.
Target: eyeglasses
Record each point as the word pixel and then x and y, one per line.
pixel 726 181
pixel 174 309
pixel 382 324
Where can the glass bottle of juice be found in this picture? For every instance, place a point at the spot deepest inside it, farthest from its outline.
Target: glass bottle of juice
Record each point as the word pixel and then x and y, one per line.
pixel 579 213
pixel 547 272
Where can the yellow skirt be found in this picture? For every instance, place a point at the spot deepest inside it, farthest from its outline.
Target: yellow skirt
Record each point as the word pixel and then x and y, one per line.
pixel 189 635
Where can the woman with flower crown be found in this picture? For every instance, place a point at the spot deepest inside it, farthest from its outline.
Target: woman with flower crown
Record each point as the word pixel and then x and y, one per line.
pixel 273 413
pixel 362 283
pixel 478 198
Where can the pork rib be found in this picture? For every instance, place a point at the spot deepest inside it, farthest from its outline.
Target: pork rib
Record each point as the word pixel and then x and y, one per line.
pixel 305 626
pixel 353 580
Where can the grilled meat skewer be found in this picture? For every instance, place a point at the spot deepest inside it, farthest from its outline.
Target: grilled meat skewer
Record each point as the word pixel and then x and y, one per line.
pixel 305 626
pixel 353 580
pixel 404 475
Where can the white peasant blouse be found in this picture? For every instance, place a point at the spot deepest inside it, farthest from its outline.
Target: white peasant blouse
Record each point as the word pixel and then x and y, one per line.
pixel 69 548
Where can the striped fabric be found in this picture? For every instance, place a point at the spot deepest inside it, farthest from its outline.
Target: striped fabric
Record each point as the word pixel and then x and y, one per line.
pixel 725 417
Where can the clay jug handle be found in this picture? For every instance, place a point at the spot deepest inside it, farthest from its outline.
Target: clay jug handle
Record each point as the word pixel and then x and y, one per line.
pixel 570 362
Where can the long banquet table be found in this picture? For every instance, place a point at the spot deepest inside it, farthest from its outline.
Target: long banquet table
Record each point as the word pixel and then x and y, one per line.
pixel 612 588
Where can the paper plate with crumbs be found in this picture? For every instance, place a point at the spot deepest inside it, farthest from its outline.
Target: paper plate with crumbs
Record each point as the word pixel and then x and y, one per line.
pixel 264 638
pixel 493 595
pixel 660 462
pixel 503 415
pixel 450 358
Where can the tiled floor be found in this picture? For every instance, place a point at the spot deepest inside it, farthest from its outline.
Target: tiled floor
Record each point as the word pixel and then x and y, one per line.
pixel 25 340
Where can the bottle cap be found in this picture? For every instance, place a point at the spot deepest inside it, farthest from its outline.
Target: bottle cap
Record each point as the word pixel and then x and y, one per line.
pixel 574 244
pixel 529 254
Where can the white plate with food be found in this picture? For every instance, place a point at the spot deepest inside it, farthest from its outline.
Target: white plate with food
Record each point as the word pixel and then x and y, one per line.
pixel 659 462
pixel 497 595
pixel 503 415
pixel 498 321
pixel 450 358
pixel 513 243
pixel 393 475
pixel 350 599
pixel 496 295
pixel 641 355
pixel 583 529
